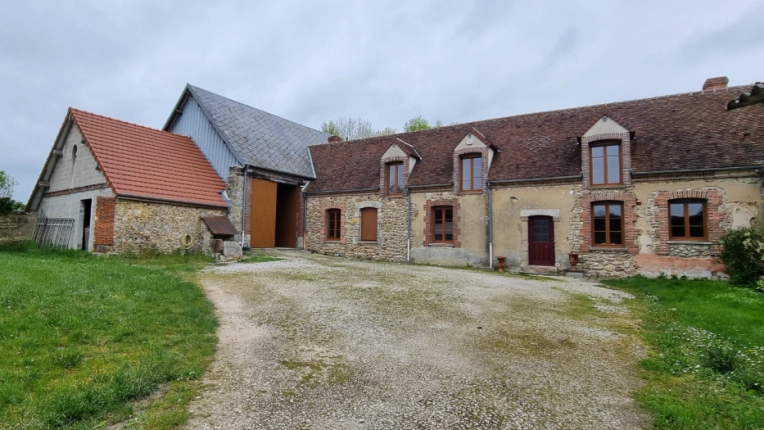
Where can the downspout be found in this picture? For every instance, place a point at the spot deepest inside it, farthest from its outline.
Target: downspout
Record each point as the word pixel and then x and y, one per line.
pixel 490 225
pixel 243 203
pixel 408 224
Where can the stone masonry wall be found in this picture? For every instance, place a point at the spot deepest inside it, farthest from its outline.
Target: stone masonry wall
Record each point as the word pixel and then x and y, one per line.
pixel 391 226
pixel 141 226
pixel 16 227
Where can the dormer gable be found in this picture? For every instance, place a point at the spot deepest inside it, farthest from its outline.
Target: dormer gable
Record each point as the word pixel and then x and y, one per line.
pixel 606 155
pixel 472 161
pixel 396 165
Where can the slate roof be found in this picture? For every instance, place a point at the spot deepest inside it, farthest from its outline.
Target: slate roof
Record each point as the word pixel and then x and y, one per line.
pixel 143 162
pixel 259 138
pixel 683 131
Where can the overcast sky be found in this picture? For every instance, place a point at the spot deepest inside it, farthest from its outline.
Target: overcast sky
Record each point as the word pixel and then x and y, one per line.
pixel 311 61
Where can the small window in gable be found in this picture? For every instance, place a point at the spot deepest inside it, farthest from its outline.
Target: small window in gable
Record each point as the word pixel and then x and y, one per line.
pixel 605 164
pixel 688 220
pixel 472 173
pixel 369 224
pixel 443 224
pixel 607 224
pixel 394 179
pixel 333 224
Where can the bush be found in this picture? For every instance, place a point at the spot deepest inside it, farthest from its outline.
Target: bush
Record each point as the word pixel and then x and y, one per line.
pixel 743 253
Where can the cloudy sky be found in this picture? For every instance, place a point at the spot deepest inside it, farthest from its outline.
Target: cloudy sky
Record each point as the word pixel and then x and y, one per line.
pixel 311 61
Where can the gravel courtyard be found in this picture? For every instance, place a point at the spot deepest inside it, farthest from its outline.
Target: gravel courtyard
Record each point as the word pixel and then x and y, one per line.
pixel 315 342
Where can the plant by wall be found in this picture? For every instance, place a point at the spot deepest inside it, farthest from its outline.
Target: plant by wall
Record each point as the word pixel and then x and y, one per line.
pixel 743 253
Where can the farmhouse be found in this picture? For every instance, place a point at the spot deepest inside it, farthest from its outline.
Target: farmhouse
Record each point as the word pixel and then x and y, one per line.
pixel 120 187
pixel 643 186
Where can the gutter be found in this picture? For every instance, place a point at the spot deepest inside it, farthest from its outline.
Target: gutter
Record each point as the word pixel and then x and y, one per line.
pixel 711 169
pixel 431 185
pixel 161 200
pixel 553 178
pixel 343 191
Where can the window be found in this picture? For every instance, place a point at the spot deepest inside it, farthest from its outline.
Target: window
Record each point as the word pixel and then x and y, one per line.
pixel 443 225
pixel 606 164
pixel 333 230
pixel 472 173
pixel 394 179
pixel 608 224
pixel 369 224
pixel 687 219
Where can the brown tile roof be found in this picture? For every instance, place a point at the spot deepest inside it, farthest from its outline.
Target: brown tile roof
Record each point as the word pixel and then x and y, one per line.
pixel 142 162
pixel 683 131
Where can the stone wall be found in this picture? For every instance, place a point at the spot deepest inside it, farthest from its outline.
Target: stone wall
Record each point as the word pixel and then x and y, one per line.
pixel 16 227
pixel 608 264
pixel 142 226
pixel 391 226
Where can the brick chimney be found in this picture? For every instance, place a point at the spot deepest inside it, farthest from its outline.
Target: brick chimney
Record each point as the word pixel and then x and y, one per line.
pixel 719 83
pixel 334 139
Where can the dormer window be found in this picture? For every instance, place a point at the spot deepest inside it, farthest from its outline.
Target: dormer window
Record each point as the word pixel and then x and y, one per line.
pixel 606 163
pixel 394 179
pixel 472 172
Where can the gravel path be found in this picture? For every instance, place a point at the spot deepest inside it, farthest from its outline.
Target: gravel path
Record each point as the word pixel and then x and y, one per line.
pixel 315 342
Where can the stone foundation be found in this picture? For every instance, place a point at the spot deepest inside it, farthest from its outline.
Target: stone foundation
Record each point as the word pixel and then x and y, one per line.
pixel 607 264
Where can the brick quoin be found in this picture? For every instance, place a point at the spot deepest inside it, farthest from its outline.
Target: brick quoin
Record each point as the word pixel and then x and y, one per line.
pixel 713 200
pixel 428 209
pixel 629 218
pixel 104 221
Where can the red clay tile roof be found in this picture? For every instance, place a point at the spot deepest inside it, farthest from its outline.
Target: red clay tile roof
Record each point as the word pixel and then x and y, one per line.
pixel 684 131
pixel 142 162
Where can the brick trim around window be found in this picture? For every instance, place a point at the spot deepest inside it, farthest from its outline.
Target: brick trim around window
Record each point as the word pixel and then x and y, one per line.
pixel 714 217
pixel 324 220
pixel 625 139
pixel 629 218
pixel 383 166
pixel 428 209
pixel 457 176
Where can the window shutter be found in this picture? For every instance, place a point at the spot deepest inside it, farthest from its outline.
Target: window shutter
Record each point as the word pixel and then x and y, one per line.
pixel 369 224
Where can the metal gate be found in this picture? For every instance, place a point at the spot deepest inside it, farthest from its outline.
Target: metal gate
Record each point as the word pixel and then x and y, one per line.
pixel 55 232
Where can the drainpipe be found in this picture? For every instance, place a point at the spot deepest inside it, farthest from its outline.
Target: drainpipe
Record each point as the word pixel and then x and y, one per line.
pixel 490 225
pixel 243 203
pixel 408 224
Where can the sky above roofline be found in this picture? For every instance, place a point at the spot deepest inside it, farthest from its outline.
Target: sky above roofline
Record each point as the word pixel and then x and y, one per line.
pixel 311 62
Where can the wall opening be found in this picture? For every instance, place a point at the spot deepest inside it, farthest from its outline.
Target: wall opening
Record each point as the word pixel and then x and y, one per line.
pixel 86 212
pixel 274 214
pixel 287 206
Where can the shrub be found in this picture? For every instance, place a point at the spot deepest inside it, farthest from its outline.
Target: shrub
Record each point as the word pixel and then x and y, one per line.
pixel 743 253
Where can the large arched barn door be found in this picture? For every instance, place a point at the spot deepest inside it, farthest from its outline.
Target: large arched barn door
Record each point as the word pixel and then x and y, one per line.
pixel 540 241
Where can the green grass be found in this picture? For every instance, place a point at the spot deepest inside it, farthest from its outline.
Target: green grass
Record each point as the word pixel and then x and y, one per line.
pixel 705 368
pixel 257 257
pixel 83 336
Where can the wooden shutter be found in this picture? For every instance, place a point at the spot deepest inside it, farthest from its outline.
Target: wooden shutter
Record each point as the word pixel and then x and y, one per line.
pixel 369 224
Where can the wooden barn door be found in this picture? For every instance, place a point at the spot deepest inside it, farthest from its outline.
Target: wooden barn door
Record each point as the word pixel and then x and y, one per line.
pixel 263 222
pixel 540 241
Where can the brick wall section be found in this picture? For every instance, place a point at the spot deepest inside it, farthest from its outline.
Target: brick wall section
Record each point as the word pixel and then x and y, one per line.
pixel 714 218
pixel 428 215
pixel 625 140
pixel 104 223
pixel 629 219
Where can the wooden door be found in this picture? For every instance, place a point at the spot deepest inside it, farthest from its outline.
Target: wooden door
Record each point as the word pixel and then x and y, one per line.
pixel 540 241
pixel 262 226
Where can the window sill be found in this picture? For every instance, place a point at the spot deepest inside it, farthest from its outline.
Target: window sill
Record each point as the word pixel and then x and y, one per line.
pixel 441 245
pixel 607 249
pixel 332 240
pixel 395 196
pixel 609 186
pixel 471 192
pixel 689 242
pixel 368 242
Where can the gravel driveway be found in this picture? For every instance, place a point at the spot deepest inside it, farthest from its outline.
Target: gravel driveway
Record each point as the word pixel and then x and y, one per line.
pixel 315 342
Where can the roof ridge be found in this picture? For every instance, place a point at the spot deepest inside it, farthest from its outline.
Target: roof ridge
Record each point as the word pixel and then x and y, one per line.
pixel 72 109
pixel 194 87
pixel 473 124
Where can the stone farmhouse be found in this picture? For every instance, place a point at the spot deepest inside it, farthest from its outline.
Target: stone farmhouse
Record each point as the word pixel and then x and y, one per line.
pixel 644 186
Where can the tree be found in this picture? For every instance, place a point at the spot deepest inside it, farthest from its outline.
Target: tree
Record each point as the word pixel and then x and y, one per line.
pixel 416 124
pixel 6 185
pixel 353 128
pixel 7 204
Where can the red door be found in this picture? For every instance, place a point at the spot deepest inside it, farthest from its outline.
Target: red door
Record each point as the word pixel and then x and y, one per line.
pixel 540 241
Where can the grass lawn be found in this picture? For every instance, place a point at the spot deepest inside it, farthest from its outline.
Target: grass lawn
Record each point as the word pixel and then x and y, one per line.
pixel 83 336
pixel 705 368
